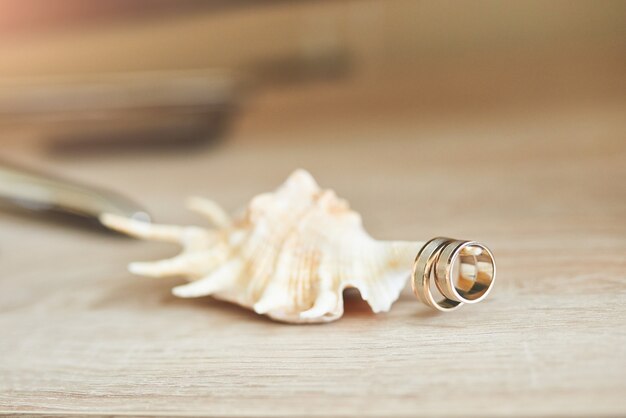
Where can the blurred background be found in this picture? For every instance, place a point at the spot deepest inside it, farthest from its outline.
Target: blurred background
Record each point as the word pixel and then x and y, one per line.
pixel 156 100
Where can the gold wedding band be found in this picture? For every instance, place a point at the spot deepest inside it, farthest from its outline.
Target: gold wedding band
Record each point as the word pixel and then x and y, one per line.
pixel 461 271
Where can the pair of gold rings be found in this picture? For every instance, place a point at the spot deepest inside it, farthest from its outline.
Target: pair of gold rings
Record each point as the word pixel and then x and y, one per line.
pixel 460 271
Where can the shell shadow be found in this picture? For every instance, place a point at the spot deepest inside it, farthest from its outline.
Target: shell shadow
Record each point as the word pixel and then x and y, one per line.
pixel 355 305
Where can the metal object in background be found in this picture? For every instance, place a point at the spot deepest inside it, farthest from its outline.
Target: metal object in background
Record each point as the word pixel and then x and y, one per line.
pixel 34 192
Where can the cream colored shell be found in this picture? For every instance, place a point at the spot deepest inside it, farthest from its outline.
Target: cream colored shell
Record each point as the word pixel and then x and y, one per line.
pixel 289 255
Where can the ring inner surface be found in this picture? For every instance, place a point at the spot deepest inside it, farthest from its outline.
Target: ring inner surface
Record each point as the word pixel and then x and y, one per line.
pixel 472 272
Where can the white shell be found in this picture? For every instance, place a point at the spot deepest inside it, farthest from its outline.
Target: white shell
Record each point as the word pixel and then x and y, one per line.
pixel 289 255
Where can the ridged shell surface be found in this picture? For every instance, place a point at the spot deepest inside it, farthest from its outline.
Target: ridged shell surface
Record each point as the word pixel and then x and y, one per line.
pixel 289 254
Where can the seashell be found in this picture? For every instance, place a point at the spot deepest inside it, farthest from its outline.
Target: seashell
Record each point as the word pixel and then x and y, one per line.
pixel 289 255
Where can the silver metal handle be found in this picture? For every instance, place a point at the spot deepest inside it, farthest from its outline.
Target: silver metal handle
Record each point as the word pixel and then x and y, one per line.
pixel 29 190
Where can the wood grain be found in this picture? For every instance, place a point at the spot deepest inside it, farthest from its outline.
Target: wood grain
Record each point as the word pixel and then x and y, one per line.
pixel 540 181
pixel 81 335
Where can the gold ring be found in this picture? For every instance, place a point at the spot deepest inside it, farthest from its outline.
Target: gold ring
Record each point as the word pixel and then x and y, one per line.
pixel 461 271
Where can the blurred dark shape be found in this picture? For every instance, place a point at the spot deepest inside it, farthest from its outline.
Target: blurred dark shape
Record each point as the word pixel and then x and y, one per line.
pixel 152 111
pixel 159 133
pixel 122 111
pixel 330 63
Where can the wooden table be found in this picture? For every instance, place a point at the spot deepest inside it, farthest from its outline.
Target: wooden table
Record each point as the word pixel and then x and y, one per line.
pixel 542 184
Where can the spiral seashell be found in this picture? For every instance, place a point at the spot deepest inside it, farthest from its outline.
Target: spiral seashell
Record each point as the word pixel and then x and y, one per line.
pixel 289 255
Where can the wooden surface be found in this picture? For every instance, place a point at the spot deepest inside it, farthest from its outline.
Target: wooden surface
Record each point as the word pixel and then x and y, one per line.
pixel 540 181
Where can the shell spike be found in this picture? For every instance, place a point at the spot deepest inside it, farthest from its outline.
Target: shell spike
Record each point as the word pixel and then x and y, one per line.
pixel 211 210
pixel 142 229
pixel 326 302
pixel 191 264
pixel 219 280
